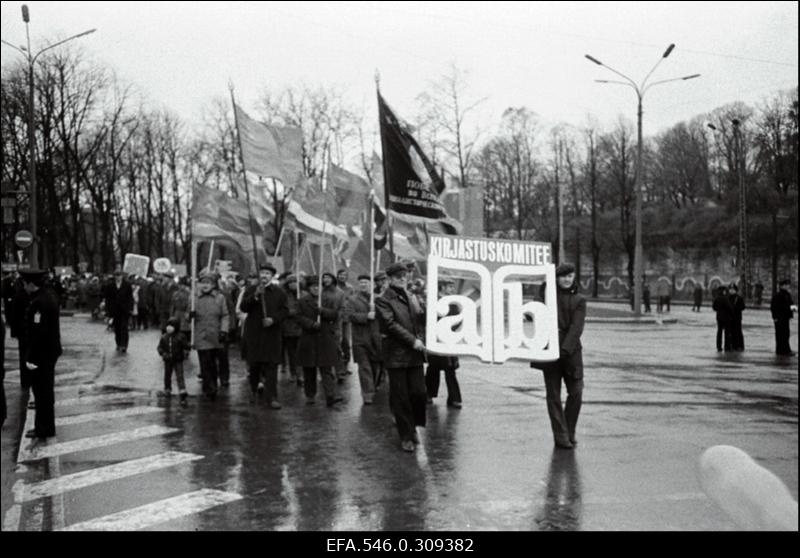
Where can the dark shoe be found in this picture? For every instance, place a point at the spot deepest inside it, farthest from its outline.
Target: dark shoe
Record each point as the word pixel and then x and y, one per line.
pixel 407 445
pixel 564 445
pixel 252 397
pixel 212 395
pixel 430 400
pixel 310 401
pixel 260 388
pixel 31 404
pixel 274 404
pixel 455 404
pixel 299 382
pixel 225 385
pixel 331 401
pixel 184 396
pixel 415 437
pixel 124 349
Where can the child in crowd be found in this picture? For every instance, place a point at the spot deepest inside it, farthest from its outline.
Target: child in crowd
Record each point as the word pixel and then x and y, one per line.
pixel 173 348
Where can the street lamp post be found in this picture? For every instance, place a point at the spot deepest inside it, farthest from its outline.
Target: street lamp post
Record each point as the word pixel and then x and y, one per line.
pixel 640 90
pixel 31 59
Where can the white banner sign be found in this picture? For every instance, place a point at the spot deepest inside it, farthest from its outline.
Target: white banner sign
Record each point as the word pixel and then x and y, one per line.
pixel 498 325
pixel 136 264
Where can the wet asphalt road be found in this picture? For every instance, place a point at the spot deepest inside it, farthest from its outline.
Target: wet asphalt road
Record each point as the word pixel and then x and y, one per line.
pixel 656 397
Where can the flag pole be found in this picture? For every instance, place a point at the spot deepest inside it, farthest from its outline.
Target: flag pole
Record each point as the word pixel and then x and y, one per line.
pixel 210 256
pixel 247 193
pixel 386 201
pixel 372 250
pixel 194 282
pixel 323 177
pixel 297 262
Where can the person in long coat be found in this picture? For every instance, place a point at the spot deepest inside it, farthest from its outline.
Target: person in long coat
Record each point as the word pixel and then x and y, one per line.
pixel 698 297
pixel 263 344
pixel 15 314
pixel 318 346
pixel 43 335
pixel 119 305
pixel 290 328
pixel 782 308
pixel 162 299
pixel 571 308
pixel 444 363
pixel 402 323
pixel 722 306
pixel 210 331
pixel 738 306
pixel 366 337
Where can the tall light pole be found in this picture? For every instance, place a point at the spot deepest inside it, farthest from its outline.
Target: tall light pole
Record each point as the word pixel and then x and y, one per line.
pixel 638 264
pixel 31 58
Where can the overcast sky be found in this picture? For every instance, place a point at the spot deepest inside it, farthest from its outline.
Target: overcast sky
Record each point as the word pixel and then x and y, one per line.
pixel 517 54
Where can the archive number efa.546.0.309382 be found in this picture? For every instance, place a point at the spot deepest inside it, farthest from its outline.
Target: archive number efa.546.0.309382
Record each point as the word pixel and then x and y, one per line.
pixel 400 544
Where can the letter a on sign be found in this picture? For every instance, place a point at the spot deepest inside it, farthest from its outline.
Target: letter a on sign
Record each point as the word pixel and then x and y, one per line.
pixel 495 323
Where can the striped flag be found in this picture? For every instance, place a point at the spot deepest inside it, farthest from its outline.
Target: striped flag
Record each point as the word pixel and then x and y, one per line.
pixel 270 151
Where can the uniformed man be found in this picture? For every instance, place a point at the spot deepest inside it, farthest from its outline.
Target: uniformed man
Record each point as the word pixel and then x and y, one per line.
pixel 43 335
pixel 119 304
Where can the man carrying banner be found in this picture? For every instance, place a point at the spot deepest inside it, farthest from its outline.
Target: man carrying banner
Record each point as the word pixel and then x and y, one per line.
pixel 571 308
pixel 262 336
pixel 402 322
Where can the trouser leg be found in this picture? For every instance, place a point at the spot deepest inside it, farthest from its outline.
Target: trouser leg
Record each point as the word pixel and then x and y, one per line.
pixel 558 422
pixel 366 374
pixel 432 379
pixel 25 373
pixel 310 381
pixel 573 406
pixel 270 370
pixel 328 374
pixel 720 331
pixel 208 370
pixel 178 366
pixel 254 375
pixel 44 392
pixel 168 366
pixel 417 393
pixel 400 403
pixel 453 389
pixel 224 364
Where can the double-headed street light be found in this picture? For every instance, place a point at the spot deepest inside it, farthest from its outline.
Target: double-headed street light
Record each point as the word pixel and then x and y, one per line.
pixel 31 58
pixel 641 89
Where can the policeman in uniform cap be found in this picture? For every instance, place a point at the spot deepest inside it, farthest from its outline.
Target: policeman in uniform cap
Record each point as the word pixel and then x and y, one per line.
pixel 43 335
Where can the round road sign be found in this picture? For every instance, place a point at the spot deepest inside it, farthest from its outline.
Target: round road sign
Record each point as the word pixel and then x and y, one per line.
pixel 23 238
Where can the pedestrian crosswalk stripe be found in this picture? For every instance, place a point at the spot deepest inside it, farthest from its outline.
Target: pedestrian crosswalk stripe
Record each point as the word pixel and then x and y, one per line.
pixel 104 415
pixel 98 475
pixel 14 372
pixel 82 444
pixel 157 512
pixel 97 398
pixel 72 376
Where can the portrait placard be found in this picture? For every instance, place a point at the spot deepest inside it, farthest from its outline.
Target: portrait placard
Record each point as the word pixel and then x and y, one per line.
pixel 494 321
pixel 136 264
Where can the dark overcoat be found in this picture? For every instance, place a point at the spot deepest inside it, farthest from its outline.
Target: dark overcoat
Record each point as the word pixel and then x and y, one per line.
pixel 401 324
pixel 291 326
pixel 445 362
pixel 318 346
pixel 119 300
pixel 366 332
pixel 263 344
pixel 571 308
pixel 42 329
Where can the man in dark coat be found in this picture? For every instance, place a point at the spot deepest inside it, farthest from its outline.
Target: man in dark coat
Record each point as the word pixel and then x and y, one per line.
pixel 737 305
pixel 444 363
pixel 571 308
pixel 782 308
pixel 290 328
pixel 318 346
pixel 15 315
pixel 402 322
pixel 119 304
pixel 698 297
pixel 43 335
pixel 722 306
pixel 262 333
pixel 163 299
pixel 366 337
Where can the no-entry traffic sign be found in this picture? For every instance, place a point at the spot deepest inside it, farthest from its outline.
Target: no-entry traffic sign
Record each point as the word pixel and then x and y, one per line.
pixel 23 238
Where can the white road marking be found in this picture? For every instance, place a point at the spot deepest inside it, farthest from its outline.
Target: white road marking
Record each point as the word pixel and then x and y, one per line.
pixel 97 398
pixel 98 475
pixel 40 451
pixel 107 415
pixel 72 376
pixel 157 512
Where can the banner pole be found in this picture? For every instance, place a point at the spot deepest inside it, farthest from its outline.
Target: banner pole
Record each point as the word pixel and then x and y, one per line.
pixel 372 251
pixel 247 193
pixel 297 262
pixel 387 202
pixel 324 223
pixel 194 282
pixel 210 256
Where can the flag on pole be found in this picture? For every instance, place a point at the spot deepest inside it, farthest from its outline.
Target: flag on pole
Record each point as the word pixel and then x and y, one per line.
pixel 270 151
pixel 412 183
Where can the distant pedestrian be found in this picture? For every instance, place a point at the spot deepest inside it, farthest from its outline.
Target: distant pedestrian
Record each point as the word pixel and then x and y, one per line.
pixel 758 293
pixel 646 297
pixel 262 334
pixel 662 291
pixel 181 305
pixel 722 306
pixel 43 334
pixel 571 308
pixel 698 297
pixel 444 363
pixel 783 309
pixel 119 305
pixel 737 305
pixel 162 299
pixel 402 323
pixel 366 337
pixel 172 348
pixel 347 290
pixel 210 331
